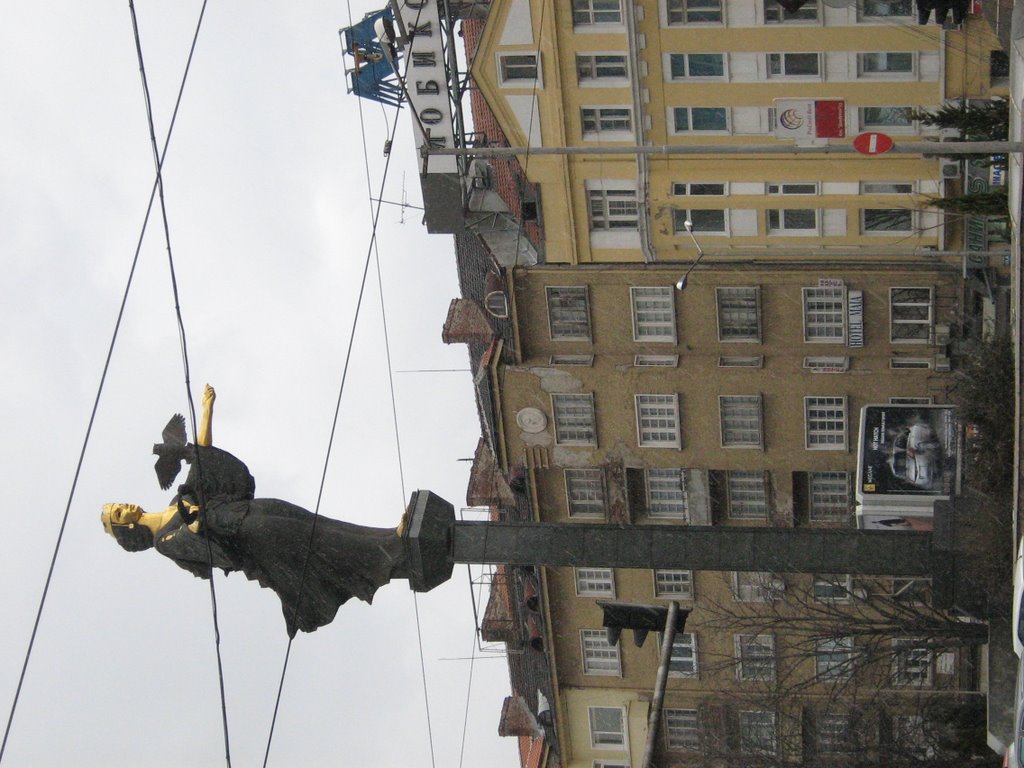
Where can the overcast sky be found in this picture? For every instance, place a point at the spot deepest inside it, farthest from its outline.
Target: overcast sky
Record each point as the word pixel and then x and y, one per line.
pixel 269 220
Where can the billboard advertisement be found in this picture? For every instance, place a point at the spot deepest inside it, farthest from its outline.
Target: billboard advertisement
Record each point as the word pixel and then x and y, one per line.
pixel 908 454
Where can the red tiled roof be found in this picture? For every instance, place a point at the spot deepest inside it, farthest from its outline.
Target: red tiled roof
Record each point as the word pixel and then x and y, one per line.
pixel 509 179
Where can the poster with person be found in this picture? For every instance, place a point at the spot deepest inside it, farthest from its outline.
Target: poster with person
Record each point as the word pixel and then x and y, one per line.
pixel 907 451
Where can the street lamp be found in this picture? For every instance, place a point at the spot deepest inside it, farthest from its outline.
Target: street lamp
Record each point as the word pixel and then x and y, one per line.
pixel 681 283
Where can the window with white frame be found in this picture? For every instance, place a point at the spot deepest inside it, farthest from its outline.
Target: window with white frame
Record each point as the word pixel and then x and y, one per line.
pixel 694 11
pixel 832 588
pixel 700 119
pixel 740 361
pixel 825 422
pixel 612 209
pixel 683 662
pixel 756 586
pixel 757 732
pixel 584 489
pixel 698 188
pixel 599 657
pixel 895 119
pixel 884 9
pixel 601 66
pixel 682 730
pixel 755 657
pixel 833 657
pixel 776 14
pixel 517 67
pixel 793 64
pixel 740 420
pixel 656 361
pixel 887 221
pixel 607 727
pixel 910 315
pixel 585 12
pixel 791 188
pixel 833 733
pixel 575 423
pixel 887 187
pixel 694 66
pixel 825 315
pixel 571 360
pixel 747 494
pixel 911 662
pixel 828 497
pixel 885 63
pixel 739 313
pixel 792 221
pixel 595 582
pixel 599 122
pixel 710 221
pixel 654 313
pixel 826 364
pixel 568 312
pixel 673 583
pixel 666 493
pixel 657 421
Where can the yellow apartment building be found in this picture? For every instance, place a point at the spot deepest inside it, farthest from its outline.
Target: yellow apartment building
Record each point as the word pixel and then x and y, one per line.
pixel 692 74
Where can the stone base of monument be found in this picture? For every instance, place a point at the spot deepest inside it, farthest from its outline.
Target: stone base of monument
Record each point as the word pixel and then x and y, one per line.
pixel 427 533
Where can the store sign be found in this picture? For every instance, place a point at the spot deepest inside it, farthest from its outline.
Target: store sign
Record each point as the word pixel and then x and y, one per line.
pixel 427 82
pixel 805 120
pixel 830 282
pixel 855 318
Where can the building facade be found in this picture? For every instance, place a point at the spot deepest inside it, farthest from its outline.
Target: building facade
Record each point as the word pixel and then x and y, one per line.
pixel 671 325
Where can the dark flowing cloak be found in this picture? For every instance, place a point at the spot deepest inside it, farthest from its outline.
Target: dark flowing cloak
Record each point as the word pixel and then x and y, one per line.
pixel 269 540
pixel 216 475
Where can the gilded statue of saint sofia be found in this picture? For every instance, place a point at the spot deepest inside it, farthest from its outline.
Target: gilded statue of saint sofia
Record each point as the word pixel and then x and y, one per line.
pixel 271 541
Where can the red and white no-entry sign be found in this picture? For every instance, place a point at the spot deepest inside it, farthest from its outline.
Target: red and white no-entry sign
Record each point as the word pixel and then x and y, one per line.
pixel 872 143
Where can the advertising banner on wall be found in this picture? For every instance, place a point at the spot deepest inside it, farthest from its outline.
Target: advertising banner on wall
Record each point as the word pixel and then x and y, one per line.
pixel 809 119
pixel 907 452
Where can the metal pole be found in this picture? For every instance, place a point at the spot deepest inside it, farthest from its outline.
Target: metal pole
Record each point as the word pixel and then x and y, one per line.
pixel 695 547
pixel 904 148
pixel 654 718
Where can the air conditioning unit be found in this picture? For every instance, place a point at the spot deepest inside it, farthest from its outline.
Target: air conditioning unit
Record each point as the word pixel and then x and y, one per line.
pixel 942 364
pixel 941 334
pixel 949 169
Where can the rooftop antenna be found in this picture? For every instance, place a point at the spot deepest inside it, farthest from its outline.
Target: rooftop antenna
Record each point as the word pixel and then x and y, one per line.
pixel 405 200
pixel 403 205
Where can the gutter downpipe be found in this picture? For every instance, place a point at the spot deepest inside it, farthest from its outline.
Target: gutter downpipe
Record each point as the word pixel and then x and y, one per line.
pixel 654 718
pixel 643 220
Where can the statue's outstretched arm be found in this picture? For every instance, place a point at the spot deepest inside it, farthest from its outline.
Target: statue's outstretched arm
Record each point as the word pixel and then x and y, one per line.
pixel 205 436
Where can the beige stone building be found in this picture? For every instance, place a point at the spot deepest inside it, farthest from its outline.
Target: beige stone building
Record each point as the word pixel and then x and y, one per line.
pixel 608 394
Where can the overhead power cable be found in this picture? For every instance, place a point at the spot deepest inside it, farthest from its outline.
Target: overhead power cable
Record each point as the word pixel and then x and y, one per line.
pixel 371 246
pixel 95 406
pixel 158 163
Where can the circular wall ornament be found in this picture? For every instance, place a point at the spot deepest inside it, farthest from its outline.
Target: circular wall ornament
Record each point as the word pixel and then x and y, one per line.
pixel 532 420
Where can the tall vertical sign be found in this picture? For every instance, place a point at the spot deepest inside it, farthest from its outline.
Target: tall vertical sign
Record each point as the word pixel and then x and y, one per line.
pixel 426 80
pixel 427 86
